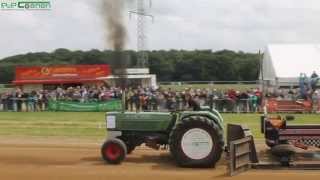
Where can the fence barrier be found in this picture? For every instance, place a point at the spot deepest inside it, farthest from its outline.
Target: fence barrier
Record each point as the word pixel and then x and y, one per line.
pixel 69 106
pixel 27 105
pixel 226 105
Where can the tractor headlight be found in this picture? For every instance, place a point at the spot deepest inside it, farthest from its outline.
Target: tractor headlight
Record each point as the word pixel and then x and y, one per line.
pixel 111 122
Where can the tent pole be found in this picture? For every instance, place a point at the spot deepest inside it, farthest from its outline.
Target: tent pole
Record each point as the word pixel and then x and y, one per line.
pixel 261 72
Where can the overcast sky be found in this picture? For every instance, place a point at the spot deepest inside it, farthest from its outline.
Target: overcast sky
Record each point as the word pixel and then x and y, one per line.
pixel 247 25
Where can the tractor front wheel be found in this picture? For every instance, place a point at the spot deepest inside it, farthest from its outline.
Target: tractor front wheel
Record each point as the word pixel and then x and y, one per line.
pixel 114 151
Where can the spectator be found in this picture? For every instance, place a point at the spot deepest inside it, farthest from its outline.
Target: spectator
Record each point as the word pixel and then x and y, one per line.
pixel 129 100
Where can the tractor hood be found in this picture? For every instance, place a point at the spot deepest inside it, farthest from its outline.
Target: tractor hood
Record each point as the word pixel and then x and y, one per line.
pixel 139 121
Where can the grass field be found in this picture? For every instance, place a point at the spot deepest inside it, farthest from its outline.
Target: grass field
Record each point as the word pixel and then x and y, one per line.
pixel 221 87
pixel 44 124
pixel 92 125
pixel 4 90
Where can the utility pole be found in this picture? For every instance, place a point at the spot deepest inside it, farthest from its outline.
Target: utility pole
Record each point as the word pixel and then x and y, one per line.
pixel 261 73
pixel 141 13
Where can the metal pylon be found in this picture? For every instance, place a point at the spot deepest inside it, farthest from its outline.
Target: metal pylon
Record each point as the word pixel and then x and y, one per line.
pixel 141 13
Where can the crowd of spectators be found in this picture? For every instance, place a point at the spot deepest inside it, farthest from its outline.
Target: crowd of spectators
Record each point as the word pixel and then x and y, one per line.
pixel 147 99
pixel 18 100
pixel 192 99
pixel 136 99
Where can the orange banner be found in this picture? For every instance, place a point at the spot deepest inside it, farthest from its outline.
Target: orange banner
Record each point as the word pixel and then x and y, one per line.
pixel 62 72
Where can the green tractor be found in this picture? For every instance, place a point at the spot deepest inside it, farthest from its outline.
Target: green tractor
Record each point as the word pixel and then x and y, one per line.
pixel 195 138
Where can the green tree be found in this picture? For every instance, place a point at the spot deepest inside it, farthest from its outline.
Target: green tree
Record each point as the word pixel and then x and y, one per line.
pixel 172 65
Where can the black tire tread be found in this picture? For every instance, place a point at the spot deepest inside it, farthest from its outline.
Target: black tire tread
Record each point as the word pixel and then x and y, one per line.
pixel 185 123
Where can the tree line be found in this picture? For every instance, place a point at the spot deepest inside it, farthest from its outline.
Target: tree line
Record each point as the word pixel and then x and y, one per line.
pixel 171 65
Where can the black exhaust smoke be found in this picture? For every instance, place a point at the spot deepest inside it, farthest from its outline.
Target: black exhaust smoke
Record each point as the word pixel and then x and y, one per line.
pixel 116 37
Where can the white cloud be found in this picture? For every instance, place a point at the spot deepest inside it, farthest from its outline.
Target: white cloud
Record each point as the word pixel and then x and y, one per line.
pixel 193 24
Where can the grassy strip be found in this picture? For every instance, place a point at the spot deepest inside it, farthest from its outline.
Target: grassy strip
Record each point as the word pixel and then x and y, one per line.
pixel 57 124
pixel 92 125
pixel 253 121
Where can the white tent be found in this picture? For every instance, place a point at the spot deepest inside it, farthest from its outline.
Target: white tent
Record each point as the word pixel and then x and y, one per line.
pixel 283 63
pixel 135 76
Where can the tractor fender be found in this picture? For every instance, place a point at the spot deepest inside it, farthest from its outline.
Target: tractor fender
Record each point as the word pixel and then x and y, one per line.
pixel 215 112
pixel 212 116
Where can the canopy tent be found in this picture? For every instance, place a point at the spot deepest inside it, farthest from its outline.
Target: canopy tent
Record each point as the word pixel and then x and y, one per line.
pixel 283 63
pixel 31 78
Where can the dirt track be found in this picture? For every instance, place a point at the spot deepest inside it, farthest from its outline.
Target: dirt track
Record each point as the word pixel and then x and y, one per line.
pixel 51 159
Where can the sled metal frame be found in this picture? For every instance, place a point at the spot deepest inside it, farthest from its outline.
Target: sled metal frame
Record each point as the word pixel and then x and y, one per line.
pixel 240 156
pixel 296 165
pixel 241 148
pixel 243 156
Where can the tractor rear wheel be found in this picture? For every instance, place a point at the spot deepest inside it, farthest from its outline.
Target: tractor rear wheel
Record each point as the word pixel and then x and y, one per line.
pixel 114 151
pixel 196 141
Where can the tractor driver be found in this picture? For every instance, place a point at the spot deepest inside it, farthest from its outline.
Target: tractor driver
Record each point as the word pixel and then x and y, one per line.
pixel 194 102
